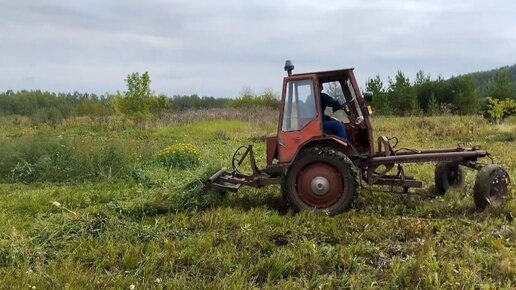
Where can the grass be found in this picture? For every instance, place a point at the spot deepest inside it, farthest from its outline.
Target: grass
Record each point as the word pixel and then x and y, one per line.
pixel 152 228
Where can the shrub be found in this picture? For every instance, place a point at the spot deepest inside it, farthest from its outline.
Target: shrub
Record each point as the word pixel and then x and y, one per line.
pixel 179 156
pixel 136 102
pixel 498 110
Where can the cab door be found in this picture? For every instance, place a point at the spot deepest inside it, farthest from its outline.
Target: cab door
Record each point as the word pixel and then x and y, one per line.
pixel 300 119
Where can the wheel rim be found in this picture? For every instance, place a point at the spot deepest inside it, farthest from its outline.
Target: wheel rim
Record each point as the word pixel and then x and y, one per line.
pixel 498 189
pixel 319 185
pixel 454 175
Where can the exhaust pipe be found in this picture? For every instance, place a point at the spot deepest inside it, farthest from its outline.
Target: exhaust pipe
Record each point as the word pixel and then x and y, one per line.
pixel 289 67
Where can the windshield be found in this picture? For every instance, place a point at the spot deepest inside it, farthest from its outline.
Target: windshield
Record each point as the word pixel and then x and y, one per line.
pixel 300 106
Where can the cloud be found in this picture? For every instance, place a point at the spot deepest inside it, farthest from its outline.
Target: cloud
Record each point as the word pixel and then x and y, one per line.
pixel 218 47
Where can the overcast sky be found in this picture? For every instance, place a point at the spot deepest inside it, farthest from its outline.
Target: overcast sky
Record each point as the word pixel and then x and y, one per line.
pixel 218 47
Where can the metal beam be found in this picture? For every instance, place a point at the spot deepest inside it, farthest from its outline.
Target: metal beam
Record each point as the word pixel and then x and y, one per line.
pixel 426 157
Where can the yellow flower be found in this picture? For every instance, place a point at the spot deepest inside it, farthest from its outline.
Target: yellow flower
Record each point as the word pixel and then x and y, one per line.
pixel 182 155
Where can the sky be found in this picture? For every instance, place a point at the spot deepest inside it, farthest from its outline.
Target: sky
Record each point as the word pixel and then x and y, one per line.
pixel 218 48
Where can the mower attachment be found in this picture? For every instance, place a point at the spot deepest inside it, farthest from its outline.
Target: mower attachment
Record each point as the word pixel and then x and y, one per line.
pixel 225 180
pixel 228 181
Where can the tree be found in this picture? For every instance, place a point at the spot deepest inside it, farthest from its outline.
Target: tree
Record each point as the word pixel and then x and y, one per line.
pixel 334 90
pixel 500 87
pixel 159 105
pixel 423 90
pixel 137 100
pixel 464 95
pixel 380 103
pixel 433 105
pixel 498 110
pixel 401 95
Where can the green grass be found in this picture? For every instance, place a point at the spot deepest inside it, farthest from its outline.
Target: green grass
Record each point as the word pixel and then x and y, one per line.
pixel 151 227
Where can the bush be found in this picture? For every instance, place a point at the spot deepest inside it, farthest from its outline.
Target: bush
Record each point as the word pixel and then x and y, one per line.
pixel 498 110
pixel 179 156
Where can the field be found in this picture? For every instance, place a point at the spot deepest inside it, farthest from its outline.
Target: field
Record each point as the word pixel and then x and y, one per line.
pixel 87 204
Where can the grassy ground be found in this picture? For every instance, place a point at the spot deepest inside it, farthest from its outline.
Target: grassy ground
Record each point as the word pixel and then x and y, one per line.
pixel 78 215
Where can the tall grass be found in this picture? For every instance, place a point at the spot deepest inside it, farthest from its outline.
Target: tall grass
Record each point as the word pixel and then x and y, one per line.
pixel 258 115
pixel 39 158
pixel 82 149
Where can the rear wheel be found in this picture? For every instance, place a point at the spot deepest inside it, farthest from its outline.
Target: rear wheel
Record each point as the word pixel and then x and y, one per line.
pixel 491 187
pixel 321 179
pixel 448 174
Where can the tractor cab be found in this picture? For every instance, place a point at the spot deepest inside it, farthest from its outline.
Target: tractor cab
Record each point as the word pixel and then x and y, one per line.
pixel 301 116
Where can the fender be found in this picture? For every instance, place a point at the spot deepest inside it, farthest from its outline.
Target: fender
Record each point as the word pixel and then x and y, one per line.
pixel 333 142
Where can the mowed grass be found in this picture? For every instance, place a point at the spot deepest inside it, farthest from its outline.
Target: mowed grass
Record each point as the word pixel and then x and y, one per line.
pixel 152 227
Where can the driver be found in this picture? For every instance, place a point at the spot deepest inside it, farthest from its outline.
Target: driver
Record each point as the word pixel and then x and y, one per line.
pixel 333 126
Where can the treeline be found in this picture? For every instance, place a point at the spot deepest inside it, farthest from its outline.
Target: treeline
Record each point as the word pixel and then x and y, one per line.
pixel 484 79
pixel 51 107
pixel 137 103
pixel 424 95
pixel 493 93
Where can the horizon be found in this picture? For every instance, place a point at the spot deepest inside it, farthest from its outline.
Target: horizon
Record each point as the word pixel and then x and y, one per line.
pixel 105 94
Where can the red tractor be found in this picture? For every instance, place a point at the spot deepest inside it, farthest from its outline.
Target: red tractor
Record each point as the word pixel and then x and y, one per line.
pixel 322 172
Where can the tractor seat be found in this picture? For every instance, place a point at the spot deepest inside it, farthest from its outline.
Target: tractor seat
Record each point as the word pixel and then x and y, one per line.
pixel 329 133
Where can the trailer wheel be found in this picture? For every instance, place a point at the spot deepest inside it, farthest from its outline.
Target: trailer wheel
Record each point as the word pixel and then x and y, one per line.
pixel 322 180
pixel 448 174
pixel 491 186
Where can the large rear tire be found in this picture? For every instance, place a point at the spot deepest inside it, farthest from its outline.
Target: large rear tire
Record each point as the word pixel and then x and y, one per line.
pixel 491 187
pixel 448 174
pixel 321 180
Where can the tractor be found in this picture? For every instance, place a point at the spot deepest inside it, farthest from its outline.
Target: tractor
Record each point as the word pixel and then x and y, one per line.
pixel 322 172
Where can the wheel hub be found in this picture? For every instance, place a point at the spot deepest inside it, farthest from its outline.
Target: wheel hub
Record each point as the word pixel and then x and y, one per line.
pixel 320 185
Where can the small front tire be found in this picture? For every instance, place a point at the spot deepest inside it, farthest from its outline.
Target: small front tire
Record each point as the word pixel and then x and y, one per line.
pixel 491 187
pixel 448 174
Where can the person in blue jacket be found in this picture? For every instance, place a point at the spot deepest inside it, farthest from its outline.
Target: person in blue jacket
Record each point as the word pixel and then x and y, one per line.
pixel 333 126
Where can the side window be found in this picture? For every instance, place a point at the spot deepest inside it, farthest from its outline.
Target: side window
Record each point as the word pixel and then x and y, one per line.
pixel 334 90
pixel 300 107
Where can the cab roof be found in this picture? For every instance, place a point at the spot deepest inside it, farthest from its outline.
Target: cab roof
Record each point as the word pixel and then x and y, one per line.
pixel 330 75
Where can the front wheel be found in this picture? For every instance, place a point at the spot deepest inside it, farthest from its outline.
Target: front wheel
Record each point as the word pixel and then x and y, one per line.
pixel 448 174
pixel 491 186
pixel 321 180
